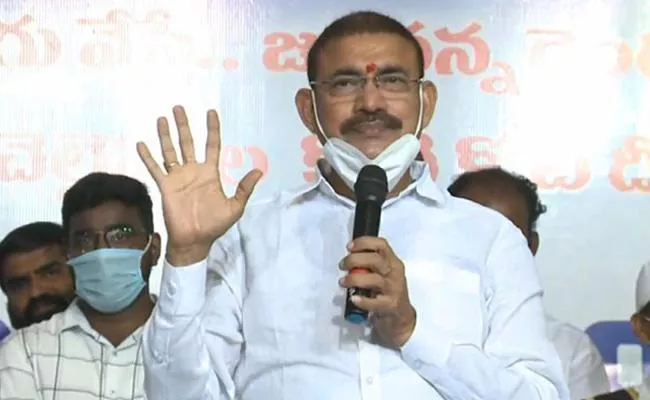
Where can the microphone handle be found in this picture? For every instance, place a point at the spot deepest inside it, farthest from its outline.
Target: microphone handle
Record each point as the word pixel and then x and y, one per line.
pixel 366 223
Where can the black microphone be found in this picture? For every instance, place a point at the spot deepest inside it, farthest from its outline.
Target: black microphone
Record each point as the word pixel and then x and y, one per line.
pixel 370 190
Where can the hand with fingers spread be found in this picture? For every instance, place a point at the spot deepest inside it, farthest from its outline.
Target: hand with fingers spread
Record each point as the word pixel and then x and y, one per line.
pixel 392 315
pixel 195 207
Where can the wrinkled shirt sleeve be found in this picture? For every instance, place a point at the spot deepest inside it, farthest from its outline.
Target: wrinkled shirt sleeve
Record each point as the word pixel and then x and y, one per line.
pixel 193 340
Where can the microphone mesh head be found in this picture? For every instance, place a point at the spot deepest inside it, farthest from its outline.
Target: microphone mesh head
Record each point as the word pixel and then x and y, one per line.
pixel 372 184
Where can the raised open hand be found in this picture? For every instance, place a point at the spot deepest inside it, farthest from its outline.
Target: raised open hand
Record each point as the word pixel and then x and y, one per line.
pixel 195 207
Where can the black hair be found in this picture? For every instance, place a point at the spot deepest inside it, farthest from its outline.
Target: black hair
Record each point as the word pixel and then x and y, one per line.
pixel 358 23
pixel 497 175
pixel 98 188
pixel 28 238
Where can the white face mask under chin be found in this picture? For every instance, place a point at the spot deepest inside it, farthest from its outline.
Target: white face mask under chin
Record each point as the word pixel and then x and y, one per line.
pixel 347 160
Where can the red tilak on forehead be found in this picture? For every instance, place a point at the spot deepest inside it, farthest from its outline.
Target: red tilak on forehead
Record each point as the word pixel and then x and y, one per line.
pixel 370 68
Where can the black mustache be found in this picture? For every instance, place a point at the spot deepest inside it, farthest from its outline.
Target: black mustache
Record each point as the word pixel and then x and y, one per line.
pixel 390 122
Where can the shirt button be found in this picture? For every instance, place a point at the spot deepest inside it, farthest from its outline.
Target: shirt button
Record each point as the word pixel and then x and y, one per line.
pixel 115 353
pixel 417 364
pixel 172 290
pixel 369 380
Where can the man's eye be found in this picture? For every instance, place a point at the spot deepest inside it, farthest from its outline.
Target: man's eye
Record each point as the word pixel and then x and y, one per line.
pixel 344 82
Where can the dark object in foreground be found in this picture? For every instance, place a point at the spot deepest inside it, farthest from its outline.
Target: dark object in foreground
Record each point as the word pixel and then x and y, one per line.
pixel 370 190
pixel 623 394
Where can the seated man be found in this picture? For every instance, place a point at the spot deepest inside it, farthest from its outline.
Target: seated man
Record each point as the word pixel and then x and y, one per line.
pixel 93 349
pixel 34 274
pixel 516 198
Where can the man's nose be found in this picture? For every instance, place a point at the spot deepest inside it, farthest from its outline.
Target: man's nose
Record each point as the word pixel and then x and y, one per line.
pixel 36 287
pixel 100 241
pixel 371 99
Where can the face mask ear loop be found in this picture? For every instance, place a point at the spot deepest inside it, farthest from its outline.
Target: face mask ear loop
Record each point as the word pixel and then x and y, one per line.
pixel 149 241
pixel 418 127
pixel 321 131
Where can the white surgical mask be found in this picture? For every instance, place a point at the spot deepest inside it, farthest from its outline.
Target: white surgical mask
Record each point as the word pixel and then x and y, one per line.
pixel 395 159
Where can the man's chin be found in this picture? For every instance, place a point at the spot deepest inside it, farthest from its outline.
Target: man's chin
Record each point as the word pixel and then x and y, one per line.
pixel 19 323
pixel 45 315
pixel 372 148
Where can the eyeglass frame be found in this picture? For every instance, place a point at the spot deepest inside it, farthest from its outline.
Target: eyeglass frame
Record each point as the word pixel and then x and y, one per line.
pixel 364 80
pixel 104 235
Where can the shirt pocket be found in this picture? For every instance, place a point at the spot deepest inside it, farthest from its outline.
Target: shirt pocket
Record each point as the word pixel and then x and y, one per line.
pixel 447 293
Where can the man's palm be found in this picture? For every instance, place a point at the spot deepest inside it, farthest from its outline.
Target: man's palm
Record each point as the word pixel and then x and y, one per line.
pixel 195 207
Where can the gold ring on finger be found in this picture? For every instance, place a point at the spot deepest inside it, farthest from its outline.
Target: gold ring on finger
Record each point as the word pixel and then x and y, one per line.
pixel 170 165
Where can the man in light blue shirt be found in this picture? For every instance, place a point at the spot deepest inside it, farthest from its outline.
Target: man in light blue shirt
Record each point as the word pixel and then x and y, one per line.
pixel 457 311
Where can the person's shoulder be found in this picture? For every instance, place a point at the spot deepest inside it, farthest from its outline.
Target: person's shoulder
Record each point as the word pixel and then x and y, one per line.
pixel 41 334
pixel 483 221
pixel 466 209
pixel 570 334
pixel 564 328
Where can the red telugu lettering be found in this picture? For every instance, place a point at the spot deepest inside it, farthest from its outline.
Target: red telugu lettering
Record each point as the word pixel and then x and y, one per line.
pixel 548 178
pixel 476 152
pixel 21 158
pixel 427 50
pixel 235 158
pixel 29 54
pixel 466 36
pixel 429 156
pixel 312 151
pixel 634 152
pixel 279 44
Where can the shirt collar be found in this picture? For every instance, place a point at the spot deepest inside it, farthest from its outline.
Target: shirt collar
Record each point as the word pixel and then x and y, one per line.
pixel 423 185
pixel 74 318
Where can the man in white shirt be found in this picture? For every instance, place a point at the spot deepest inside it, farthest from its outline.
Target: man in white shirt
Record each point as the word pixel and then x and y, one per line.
pixel 516 198
pixel 93 349
pixel 457 312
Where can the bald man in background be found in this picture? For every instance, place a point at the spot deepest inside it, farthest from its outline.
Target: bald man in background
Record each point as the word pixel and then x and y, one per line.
pixel 516 198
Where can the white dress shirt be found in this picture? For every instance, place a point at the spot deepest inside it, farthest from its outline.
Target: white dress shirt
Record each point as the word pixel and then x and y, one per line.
pixel 64 358
pixel 582 364
pixel 271 326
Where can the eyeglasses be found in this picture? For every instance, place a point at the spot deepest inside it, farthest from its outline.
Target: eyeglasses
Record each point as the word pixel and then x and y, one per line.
pixel 119 236
pixel 351 85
